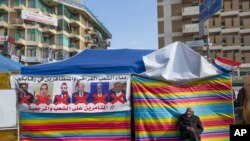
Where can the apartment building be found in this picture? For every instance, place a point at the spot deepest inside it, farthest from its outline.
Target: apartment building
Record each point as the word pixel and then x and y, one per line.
pixel 228 30
pixel 41 31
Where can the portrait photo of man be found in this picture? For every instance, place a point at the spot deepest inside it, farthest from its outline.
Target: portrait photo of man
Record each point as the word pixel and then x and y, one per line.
pixel 23 95
pixel 81 96
pixel 100 96
pixel 63 97
pixel 117 94
pixel 43 97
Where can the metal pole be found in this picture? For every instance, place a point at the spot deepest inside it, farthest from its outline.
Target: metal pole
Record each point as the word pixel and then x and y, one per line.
pixel 208 48
pixel 5 45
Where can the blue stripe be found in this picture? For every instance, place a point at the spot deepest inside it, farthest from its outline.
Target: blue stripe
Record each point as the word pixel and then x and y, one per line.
pixel 26 115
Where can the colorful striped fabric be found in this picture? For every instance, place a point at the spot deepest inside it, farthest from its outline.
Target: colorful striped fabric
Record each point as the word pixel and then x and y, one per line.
pixel 76 127
pixel 158 104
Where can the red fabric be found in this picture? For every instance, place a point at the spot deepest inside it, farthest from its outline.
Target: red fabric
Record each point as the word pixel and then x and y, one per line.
pixel 101 99
pixel 118 98
pixel 41 99
pixel 24 99
pixel 62 99
pixel 81 99
pixel 227 61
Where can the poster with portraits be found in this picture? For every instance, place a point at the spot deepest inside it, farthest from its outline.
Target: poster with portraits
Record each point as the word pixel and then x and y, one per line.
pixel 72 93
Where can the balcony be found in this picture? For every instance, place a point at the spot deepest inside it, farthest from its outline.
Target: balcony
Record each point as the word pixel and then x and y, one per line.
pixel 244 30
pixel 18 22
pixel 20 41
pixel 214 29
pixel 43 60
pixel 94 34
pixel 47 29
pixel 229 13
pixel 74 21
pixel 73 47
pixel 107 43
pixel 190 28
pixel 3 24
pixel 94 44
pixel 49 44
pixel 188 11
pixel 19 5
pixel 230 30
pixel 88 40
pixel 4 5
pixel 87 29
pixel 74 36
pixel 30 59
pixel 244 14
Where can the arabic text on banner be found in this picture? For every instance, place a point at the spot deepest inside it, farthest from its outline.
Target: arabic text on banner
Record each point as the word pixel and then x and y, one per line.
pixel 72 93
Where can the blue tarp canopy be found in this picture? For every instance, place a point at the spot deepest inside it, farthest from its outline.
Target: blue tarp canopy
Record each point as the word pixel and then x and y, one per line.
pixel 8 65
pixel 94 62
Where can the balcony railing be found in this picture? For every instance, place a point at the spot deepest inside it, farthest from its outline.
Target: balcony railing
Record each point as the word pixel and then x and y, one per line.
pixel 19 3
pixel 30 59
pixel 3 23
pixel 74 45
pixel 4 3
pixel 17 21
pixel 190 28
pixel 187 11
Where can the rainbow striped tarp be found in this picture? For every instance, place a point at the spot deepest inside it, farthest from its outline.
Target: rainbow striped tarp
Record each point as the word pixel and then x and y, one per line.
pixel 157 106
pixel 76 127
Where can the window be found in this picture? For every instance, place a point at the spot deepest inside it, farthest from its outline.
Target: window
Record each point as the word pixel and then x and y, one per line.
pixel 31 35
pixel 222 24
pixel 32 3
pixel 231 5
pixel 241 23
pixel 31 51
pixel 45 53
pixel 60 10
pixel 242 40
pixel 62 40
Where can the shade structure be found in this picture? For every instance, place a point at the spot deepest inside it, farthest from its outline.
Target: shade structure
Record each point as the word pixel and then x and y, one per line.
pixel 8 65
pixel 94 62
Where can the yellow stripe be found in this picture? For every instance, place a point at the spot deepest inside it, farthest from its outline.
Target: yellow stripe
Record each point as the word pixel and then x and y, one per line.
pixel 157 121
pixel 77 131
pixel 73 120
pixel 156 133
pixel 199 82
pixel 183 94
pixel 179 105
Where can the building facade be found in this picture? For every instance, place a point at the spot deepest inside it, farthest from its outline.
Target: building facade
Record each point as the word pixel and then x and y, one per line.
pixel 41 31
pixel 228 30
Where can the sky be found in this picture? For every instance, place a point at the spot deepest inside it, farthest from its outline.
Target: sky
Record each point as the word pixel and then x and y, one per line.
pixel 132 23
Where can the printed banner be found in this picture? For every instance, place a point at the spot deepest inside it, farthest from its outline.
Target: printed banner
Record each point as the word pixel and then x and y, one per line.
pixel 72 93
pixel 108 126
pixel 32 16
pixel 158 104
pixel 8 109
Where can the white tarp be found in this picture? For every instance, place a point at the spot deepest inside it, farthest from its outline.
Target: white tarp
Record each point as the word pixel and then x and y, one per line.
pixel 8 111
pixel 177 63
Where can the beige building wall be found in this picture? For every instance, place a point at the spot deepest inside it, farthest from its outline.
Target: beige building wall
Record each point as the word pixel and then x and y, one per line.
pixel 228 29
pixel 38 42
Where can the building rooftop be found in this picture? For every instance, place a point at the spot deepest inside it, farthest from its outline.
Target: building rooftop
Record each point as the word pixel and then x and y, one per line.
pixel 83 7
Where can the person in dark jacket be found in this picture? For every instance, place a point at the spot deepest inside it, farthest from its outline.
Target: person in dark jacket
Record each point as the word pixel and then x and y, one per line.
pixel 190 126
